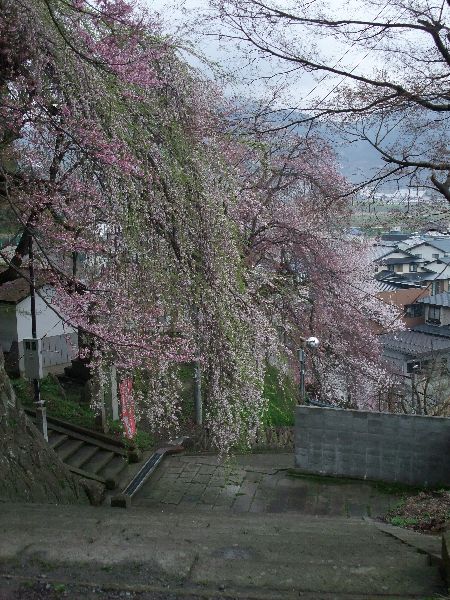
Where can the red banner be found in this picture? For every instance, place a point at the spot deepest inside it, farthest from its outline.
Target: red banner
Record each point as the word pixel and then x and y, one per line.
pixel 127 406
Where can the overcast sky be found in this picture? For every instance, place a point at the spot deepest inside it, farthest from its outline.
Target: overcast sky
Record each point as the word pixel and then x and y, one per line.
pixel 226 54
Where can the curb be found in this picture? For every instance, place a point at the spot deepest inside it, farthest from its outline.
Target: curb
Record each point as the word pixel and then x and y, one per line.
pixel 123 499
pixel 422 542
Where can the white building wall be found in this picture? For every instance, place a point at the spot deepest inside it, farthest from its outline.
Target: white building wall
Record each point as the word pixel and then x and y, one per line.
pixel 445 314
pixel 426 252
pixel 48 323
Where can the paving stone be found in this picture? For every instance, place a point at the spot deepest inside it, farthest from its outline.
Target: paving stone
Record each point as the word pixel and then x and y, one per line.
pixel 173 498
pixel 208 469
pixel 223 501
pixel 249 488
pixel 169 477
pixel 252 477
pixel 201 479
pixel 210 496
pixel 242 503
pixel 258 505
pixel 193 482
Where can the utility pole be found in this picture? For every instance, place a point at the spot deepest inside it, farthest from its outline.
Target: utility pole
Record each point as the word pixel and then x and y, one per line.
pixel 41 413
pixel 415 398
pixel 302 361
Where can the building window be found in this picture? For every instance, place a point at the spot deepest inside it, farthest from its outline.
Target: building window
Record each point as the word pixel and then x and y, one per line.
pixel 435 256
pixel 412 268
pixel 413 367
pixel 418 255
pixel 414 310
pixel 434 315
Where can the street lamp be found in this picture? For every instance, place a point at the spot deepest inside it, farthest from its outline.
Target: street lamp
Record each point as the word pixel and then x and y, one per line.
pixel 415 368
pixel 311 343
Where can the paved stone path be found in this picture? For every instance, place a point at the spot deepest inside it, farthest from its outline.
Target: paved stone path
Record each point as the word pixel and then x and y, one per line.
pixel 257 484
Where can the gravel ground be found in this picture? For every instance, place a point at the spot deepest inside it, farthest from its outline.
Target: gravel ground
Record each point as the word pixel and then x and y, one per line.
pixel 41 590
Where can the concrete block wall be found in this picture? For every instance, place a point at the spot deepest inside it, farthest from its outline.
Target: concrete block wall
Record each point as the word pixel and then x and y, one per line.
pixel 406 449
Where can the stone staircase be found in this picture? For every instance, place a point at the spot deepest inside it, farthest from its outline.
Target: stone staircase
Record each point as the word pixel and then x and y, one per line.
pixel 87 453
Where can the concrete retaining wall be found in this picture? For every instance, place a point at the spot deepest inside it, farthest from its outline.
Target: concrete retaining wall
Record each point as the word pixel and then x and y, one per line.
pixel 369 445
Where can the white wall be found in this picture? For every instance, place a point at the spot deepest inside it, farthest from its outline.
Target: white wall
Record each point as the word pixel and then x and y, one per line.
pixel 48 323
pixel 445 314
pixel 426 252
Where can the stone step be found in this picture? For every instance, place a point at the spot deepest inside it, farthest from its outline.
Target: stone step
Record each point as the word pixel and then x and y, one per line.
pixel 56 439
pixel 82 456
pixel 68 448
pixel 99 461
pixel 113 471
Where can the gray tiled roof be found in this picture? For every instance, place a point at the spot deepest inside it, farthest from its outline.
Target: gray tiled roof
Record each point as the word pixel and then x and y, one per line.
pixel 439 330
pixel 401 261
pixel 382 286
pixel 402 280
pixel 413 343
pixel 395 237
pixel 442 299
pixel 442 243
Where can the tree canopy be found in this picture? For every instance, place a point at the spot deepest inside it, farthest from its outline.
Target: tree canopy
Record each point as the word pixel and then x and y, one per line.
pixel 167 236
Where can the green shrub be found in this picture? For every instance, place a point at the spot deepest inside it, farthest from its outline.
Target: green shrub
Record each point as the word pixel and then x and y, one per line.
pixel 142 440
pixel 404 521
pixel 282 395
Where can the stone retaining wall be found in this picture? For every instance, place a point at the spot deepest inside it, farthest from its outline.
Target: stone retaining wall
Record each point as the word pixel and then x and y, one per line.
pixel 407 449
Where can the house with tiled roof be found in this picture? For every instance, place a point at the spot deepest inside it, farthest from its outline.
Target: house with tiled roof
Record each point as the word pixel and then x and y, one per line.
pixel 421 355
pixel 59 341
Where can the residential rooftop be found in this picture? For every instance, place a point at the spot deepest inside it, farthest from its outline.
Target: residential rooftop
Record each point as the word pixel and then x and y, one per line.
pixel 414 344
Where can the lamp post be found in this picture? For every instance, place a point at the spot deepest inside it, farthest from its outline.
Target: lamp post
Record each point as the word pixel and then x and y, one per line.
pixel 311 343
pixel 415 368
pixel 41 414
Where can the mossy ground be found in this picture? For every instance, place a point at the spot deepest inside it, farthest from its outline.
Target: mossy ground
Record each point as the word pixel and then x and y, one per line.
pixel 62 402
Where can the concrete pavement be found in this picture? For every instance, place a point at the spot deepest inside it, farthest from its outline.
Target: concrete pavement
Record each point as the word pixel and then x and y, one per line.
pixel 278 555
pixel 202 529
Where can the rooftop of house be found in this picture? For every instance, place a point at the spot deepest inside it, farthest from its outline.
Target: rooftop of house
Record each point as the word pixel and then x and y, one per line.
pixel 395 236
pixel 442 299
pixel 440 242
pixel 404 260
pixel 13 292
pixel 414 344
pixel 385 286
pixel 402 280
pixel 439 330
